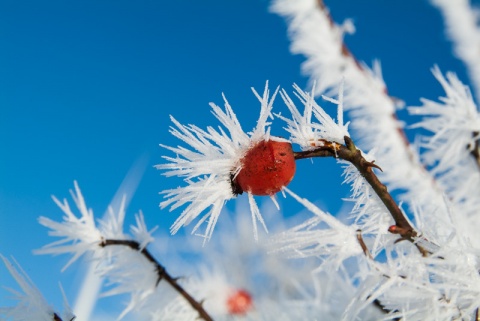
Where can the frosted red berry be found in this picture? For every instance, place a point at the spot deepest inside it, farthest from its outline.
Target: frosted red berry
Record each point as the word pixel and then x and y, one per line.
pixel 266 168
pixel 239 302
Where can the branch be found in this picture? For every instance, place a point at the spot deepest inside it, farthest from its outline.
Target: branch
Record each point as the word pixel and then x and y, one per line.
pixel 350 153
pixel 162 274
pixel 407 157
pixel 345 51
pixel 363 245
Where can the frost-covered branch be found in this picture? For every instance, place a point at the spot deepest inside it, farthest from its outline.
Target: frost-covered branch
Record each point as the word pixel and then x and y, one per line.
pixel 162 274
pixel 134 272
pixel 372 111
pixel 320 136
pixel 454 123
pixel 350 153
pixel 462 27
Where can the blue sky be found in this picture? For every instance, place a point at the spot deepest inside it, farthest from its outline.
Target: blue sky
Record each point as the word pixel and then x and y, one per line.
pixel 87 87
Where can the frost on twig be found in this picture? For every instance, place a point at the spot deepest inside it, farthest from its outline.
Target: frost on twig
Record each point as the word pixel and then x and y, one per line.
pixel 123 259
pixel 242 280
pixel 321 236
pixel 462 26
pixel 454 122
pixel 315 35
pixel 79 234
pixel 451 150
pixel 369 212
pixel 319 138
pixel 307 132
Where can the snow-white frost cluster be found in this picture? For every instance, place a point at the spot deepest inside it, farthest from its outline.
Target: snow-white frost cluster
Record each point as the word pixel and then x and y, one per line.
pixel 309 134
pixel 31 302
pixel 208 166
pixel 344 267
pixel 126 269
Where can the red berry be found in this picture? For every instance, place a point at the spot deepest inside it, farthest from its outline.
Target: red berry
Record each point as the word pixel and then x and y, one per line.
pixel 266 168
pixel 239 302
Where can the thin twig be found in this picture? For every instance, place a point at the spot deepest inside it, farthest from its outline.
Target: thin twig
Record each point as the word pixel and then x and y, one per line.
pixel 364 247
pixel 162 274
pixel 350 153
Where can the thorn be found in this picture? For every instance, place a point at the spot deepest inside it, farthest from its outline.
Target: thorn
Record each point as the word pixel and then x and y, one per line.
pixel 161 273
pixel 372 164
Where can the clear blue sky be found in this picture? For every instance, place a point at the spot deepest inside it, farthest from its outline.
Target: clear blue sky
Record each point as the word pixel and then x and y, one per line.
pixel 86 88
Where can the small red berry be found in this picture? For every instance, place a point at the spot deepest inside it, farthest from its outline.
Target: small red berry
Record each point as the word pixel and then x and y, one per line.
pixel 239 302
pixel 266 168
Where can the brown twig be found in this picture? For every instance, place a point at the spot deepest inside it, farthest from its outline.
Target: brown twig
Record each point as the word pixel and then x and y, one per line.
pixel 350 153
pixel 162 274
pixel 363 245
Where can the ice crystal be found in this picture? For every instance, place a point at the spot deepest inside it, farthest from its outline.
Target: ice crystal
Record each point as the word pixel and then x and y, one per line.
pixel 210 162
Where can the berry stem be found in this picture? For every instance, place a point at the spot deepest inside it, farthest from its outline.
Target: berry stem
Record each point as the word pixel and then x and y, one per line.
pixel 350 153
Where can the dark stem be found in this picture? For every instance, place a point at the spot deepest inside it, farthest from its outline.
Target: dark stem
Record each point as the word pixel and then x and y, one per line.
pixel 363 245
pixel 379 305
pixel 476 149
pixel 162 274
pixel 350 153
pixel 56 317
